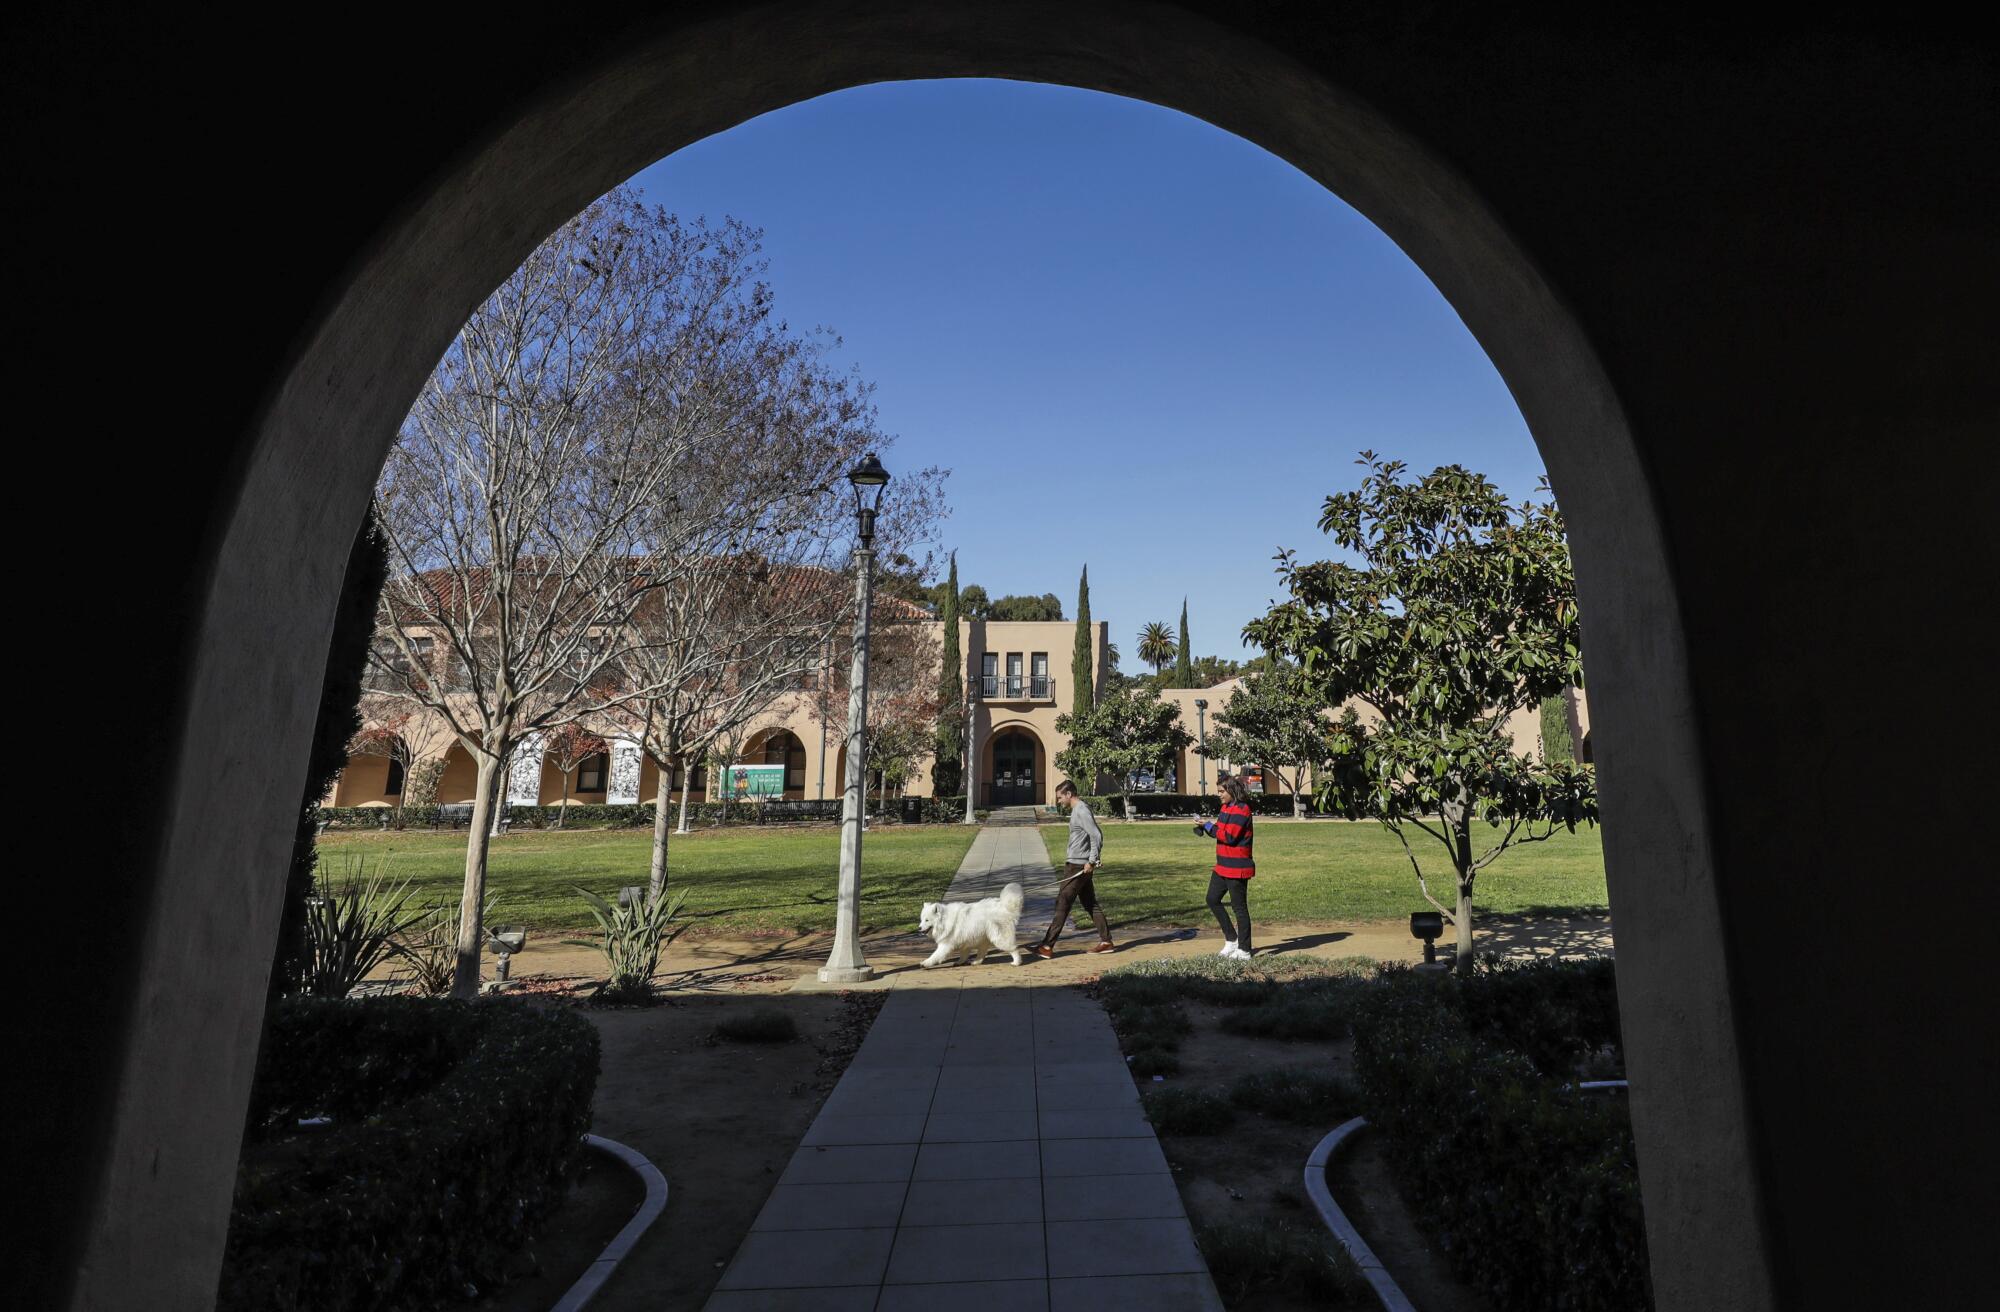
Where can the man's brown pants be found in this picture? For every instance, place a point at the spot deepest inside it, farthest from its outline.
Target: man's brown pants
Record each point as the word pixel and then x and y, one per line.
pixel 1076 889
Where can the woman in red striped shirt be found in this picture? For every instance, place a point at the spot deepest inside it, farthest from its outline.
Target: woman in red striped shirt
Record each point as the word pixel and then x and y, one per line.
pixel 1234 866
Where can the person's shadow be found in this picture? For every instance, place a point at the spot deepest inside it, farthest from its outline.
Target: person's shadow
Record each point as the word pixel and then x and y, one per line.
pixel 1305 942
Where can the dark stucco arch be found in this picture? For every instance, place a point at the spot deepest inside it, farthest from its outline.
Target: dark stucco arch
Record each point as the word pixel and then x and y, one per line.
pixel 1542 229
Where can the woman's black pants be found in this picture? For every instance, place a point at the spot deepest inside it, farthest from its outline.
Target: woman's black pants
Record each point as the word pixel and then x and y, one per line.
pixel 1239 933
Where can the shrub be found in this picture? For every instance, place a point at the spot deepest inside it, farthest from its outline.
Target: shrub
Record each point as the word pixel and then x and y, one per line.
pixel 1253 1263
pixel 1148 1025
pixel 764 1026
pixel 455 1126
pixel 429 946
pixel 632 933
pixel 1312 1009
pixel 1531 1188
pixel 1186 1111
pixel 1297 1094
pixel 350 929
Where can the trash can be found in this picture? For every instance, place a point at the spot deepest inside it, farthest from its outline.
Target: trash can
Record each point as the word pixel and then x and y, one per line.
pixel 913 810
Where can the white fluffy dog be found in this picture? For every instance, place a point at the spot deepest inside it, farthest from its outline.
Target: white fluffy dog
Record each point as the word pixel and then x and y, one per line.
pixel 972 929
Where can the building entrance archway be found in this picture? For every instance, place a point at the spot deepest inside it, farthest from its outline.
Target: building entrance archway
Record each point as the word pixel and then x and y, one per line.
pixel 1570 288
pixel 1014 776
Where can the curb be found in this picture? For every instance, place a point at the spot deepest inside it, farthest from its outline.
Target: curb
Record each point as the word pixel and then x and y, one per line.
pixel 578 1296
pixel 1385 1286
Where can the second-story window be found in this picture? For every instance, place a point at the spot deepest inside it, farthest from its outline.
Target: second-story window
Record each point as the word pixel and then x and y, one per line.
pixel 1013 674
pixel 989 674
pixel 1038 674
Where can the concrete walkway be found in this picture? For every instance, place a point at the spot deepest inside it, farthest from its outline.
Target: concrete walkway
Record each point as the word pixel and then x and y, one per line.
pixel 985 1149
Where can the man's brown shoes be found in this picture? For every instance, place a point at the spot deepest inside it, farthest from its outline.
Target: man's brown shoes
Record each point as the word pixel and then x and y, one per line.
pixel 1102 947
pixel 1045 951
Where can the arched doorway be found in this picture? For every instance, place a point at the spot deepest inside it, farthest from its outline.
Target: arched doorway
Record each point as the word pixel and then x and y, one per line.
pixel 316 447
pixel 1014 768
pixel 782 747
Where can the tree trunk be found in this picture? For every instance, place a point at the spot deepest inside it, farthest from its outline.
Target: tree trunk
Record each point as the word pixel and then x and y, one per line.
pixel 1463 958
pixel 562 814
pixel 687 786
pixel 656 881
pixel 1298 795
pixel 472 902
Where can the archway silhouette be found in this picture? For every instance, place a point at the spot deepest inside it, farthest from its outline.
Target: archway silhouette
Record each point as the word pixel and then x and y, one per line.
pixel 491 192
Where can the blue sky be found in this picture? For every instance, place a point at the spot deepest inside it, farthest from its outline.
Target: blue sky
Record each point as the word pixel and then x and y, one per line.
pixel 1136 340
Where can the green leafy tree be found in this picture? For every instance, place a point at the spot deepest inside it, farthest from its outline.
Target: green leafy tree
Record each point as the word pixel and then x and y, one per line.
pixel 1183 661
pixel 1082 674
pixel 1277 720
pixel 1122 733
pixel 1156 645
pixel 1460 612
pixel 1044 608
pixel 974 604
pixel 947 771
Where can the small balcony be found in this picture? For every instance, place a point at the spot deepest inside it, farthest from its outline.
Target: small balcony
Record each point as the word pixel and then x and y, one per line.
pixel 1017 688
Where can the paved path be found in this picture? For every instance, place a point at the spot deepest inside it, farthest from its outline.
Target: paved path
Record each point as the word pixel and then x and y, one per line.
pixel 985 1149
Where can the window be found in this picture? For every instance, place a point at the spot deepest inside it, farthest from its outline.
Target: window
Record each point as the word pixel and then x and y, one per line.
pixel 393 786
pixel 686 781
pixel 590 775
pixel 1013 674
pixel 989 674
pixel 1038 667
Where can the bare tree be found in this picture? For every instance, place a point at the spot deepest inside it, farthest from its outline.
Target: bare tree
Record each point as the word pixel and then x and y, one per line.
pixel 602 382
pixel 904 696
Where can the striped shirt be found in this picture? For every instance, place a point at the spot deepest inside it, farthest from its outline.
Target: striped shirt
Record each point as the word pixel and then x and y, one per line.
pixel 1231 831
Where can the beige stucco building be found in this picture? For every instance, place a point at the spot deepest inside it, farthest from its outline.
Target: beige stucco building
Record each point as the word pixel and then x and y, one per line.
pixel 1019 677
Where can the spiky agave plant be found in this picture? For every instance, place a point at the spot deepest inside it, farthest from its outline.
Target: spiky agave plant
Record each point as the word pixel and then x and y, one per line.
pixel 429 945
pixel 632 935
pixel 351 928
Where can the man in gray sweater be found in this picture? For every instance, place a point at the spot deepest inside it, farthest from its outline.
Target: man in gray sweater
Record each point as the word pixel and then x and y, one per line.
pixel 1086 846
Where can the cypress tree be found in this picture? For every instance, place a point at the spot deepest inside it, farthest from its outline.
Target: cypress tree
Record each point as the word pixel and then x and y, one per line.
pixel 947 769
pixel 1184 663
pixel 1556 743
pixel 1082 671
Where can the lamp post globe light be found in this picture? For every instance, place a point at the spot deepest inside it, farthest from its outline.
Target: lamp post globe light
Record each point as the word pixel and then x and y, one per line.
pixel 1201 747
pixel 845 964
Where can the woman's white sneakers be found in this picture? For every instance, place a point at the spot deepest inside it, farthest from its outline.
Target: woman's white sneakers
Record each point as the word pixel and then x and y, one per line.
pixel 1234 953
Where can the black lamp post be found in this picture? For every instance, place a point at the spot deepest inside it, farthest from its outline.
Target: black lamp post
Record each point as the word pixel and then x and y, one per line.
pixel 845 964
pixel 1201 749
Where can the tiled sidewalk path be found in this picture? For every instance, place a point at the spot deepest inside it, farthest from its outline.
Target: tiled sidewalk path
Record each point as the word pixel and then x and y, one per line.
pixel 985 1149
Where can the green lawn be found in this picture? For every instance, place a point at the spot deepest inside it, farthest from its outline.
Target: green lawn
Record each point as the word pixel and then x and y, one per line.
pixel 1156 872
pixel 736 880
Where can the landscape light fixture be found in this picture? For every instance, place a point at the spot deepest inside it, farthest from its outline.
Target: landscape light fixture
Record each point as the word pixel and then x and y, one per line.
pixel 1427 925
pixel 845 964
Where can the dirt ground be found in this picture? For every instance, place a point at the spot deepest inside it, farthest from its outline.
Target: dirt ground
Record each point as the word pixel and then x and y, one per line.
pixel 1252 1170
pixel 776 964
pixel 720 1120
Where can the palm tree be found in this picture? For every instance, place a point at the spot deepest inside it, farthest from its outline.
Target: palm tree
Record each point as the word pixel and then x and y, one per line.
pixel 1156 646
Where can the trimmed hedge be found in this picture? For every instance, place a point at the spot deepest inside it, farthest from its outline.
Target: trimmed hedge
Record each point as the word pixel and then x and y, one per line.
pixel 1154 805
pixel 639 815
pixel 455 1127
pixel 1531 1188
